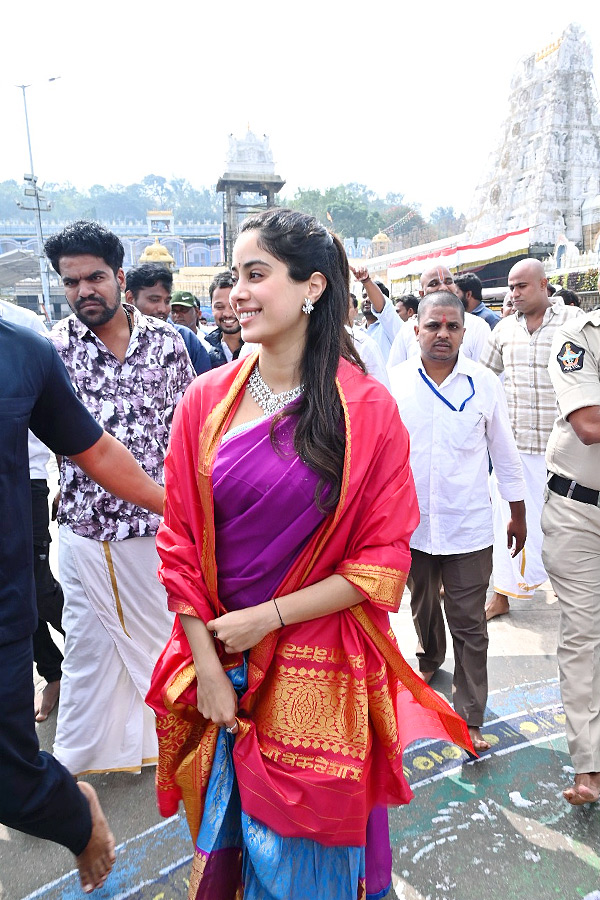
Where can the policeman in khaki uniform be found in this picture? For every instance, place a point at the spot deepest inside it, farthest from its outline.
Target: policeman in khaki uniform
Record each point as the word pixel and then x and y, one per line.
pixel 571 548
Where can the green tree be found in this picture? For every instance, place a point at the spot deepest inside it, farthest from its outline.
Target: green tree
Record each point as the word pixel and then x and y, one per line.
pixel 349 209
pixel 401 219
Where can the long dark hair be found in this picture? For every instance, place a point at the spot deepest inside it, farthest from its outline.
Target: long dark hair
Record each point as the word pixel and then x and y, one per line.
pixel 306 246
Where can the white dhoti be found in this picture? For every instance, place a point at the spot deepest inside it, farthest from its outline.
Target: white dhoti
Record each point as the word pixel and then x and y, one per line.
pixel 522 575
pixel 116 624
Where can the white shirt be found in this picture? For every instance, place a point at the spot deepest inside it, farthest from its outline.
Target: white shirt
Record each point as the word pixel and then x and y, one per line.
pixel 201 335
pixel 370 354
pixel 225 348
pixel 38 452
pixel 385 329
pixel 405 345
pixel 449 453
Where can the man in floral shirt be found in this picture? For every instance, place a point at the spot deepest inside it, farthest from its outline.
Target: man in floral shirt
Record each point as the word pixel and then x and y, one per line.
pixel 130 372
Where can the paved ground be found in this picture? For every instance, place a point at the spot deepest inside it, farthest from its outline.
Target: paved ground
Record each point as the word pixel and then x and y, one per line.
pixel 496 828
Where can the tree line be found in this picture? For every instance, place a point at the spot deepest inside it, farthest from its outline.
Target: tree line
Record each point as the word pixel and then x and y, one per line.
pixel 351 210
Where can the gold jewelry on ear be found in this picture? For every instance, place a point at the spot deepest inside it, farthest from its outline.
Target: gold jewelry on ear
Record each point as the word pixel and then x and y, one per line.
pixel 307 306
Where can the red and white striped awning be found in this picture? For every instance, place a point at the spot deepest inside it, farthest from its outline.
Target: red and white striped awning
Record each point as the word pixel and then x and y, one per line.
pixel 503 246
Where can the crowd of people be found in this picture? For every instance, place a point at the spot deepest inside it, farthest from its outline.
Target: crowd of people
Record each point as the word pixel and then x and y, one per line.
pixel 543 350
pixel 233 627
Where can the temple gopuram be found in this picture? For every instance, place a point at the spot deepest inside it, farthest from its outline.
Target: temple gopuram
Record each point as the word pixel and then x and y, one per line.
pixel 540 194
pixel 547 158
pixel 249 183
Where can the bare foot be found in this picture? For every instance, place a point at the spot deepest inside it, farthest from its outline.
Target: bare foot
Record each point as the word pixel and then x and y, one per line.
pixel 586 789
pixel 427 676
pixel 97 859
pixel 46 700
pixel 497 606
pixel 479 742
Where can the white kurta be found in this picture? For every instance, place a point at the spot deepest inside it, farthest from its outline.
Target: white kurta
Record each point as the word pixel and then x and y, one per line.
pixel 449 453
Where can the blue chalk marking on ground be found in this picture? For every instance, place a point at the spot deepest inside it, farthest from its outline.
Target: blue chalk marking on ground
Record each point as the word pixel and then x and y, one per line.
pixel 518 717
pixel 164 843
pixel 522 696
pixel 540 716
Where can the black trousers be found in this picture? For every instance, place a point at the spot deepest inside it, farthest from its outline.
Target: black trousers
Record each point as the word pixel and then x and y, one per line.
pixel 49 595
pixel 37 795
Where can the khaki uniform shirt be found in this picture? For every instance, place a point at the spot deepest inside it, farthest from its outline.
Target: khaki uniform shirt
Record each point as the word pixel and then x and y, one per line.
pixel 574 368
pixel 523 357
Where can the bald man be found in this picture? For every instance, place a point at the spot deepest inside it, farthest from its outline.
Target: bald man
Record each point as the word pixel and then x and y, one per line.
pixel 439 278
pixel 519 346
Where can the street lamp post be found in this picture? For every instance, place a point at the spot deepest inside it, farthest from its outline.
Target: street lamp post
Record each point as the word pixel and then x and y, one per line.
pixel 40 204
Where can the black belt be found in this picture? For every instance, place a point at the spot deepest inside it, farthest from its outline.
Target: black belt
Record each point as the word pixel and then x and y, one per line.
pixel 567 488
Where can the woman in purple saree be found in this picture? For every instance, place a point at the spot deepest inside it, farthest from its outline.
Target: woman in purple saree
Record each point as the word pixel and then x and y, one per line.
pixel 265 514
pixel 282 701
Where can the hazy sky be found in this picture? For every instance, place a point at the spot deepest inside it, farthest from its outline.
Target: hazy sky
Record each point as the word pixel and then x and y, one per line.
pixel 400 96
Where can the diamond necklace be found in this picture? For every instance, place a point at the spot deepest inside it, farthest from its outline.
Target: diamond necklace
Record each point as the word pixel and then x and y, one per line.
pixel 262 394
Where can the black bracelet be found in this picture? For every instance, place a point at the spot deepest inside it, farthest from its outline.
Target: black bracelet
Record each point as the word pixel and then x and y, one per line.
pixel 278 613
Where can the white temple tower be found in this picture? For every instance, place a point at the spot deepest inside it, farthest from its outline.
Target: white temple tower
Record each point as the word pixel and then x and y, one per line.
pixel 250 176
pixel 547 161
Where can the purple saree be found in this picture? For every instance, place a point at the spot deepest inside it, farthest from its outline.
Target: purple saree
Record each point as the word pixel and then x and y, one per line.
pixel 265 514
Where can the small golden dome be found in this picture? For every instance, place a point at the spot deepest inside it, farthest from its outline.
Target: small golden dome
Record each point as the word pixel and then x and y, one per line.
pixel 156 253
pixel 381 238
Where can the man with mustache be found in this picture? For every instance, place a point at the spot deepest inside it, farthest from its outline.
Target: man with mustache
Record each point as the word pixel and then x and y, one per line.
pixel 455 412
pixel 130 371
pixel 226 340
pixel 185 310
pixel 439 278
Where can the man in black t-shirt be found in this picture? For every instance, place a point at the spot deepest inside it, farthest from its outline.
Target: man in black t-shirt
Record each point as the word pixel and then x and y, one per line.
pixel 38 795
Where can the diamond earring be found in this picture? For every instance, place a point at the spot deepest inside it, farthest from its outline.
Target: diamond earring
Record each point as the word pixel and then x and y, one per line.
pixel 307 306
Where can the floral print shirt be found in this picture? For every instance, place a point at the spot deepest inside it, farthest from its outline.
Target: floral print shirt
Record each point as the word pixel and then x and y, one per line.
pixel 134 401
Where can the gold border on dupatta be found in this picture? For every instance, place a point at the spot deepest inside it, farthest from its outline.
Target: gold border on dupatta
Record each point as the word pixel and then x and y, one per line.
pixel 383 584
pixel 208 445
pixel 426 696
